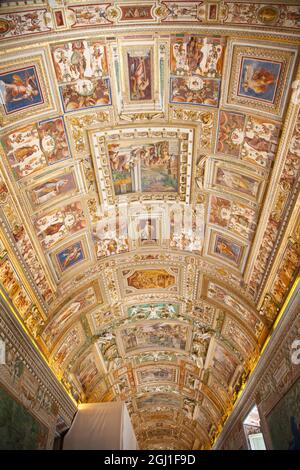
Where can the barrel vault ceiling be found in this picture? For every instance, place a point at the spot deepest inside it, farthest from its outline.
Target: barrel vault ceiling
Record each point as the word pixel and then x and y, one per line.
pixel 140 113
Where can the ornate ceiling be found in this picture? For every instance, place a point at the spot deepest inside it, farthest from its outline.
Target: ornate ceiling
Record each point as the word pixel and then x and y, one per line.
pixel 148 198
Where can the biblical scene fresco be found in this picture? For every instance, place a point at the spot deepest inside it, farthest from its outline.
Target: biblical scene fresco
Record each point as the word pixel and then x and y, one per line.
pixel 159 399
pixel 224 363
pixel 151 279
pixel 237 182
pixel 233 329
pixel 145 160
pixel 160 335
pixel 157 374
pixel 259 78
pixel 153 165
pixel 89 370
pixel 82 72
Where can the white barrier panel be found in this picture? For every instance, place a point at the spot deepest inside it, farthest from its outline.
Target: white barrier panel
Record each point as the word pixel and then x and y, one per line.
pixel 101 426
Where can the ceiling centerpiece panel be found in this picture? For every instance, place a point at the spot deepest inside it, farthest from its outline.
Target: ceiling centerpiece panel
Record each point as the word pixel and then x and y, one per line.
pixel 138 171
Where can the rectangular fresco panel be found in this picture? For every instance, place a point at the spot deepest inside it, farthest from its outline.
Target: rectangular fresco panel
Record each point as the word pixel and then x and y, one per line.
pixel 235 217
pixel 284 421
pixel 26 22
pixel 189 235
pixel 31 148
pixel 159 399
pixel 223 297
pixel 233 330
pixel 148 229
pixel 250 138
pixel 55 225
pixel 110 237
pixel 156 374
pixel 261 141
pixel 153 311
pixel 196 55
pixel 230 133
pixel 52 189
pixel 87 371
pixel 69 344
pixel 14 288
pixel 161 335
pixel 149 167
pixel 20 89
pixel 195 90
pixel 135 12
pixel 61 320
pixel 70 256
pixel 82 72
pixel 140 73
pixel 19 430
pixel 227 249
pixel 151 279
pixel 224 363
pixel 259 79
pixel 88 15
pixel 240 183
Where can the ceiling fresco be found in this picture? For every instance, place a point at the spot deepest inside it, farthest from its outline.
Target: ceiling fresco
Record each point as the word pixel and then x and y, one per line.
pixel 148 198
